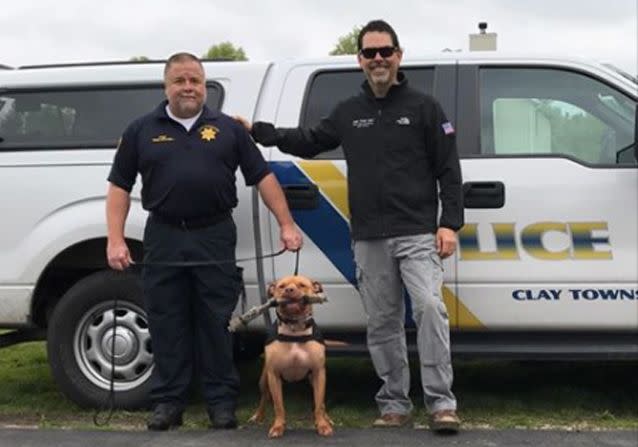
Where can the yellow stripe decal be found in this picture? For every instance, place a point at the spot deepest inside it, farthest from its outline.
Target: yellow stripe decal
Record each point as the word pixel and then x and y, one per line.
pixel 330 181
pixel 460 316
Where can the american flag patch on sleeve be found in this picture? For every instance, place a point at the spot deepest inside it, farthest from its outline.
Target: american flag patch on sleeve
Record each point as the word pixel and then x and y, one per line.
pixel 447 128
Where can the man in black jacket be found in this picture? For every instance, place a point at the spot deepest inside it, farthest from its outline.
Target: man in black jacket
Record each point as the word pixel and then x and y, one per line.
pixel 399 147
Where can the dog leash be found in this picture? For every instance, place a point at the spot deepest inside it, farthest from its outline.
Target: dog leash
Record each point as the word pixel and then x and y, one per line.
pixel 297 263
pixel 209 262
pixel 110 403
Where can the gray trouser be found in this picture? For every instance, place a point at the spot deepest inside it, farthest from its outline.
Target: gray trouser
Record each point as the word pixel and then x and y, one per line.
pixel 382 266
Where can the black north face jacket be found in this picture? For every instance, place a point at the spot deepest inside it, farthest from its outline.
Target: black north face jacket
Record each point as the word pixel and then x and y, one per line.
pixel 397 149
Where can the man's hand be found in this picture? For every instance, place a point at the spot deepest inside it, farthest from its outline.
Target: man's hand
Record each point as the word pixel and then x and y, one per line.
pixel 291 237
pixel 273 197
pixel 118 255
pixel 445 242
pixel 244 122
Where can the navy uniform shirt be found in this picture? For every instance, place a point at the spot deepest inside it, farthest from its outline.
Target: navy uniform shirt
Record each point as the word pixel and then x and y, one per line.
pixel 186 174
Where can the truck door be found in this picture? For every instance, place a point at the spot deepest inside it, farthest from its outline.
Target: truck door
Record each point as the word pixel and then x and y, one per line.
pixel 316 189
pixel 550 183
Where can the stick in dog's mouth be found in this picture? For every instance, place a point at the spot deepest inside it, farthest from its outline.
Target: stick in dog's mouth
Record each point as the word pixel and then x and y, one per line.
pixel 305 299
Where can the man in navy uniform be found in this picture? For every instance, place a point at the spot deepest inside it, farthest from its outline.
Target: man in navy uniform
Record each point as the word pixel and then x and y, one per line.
pixel 187 155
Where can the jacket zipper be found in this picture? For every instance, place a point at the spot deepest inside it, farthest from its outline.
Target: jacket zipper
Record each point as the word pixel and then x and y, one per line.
pixel 380 194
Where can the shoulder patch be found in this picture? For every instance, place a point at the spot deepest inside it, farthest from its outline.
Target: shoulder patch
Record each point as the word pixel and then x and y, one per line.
pixel 447 128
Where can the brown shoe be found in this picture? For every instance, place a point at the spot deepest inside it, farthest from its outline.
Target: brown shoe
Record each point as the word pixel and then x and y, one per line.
pixel 391 420
pixel 445 422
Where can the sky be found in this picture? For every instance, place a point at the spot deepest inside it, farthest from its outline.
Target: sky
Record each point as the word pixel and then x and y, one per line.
pixel 57 31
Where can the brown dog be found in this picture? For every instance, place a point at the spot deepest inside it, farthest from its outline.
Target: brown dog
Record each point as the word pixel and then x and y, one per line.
pixel 295 352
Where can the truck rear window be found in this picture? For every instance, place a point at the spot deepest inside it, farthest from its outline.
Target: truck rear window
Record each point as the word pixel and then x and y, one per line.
pixel 79 117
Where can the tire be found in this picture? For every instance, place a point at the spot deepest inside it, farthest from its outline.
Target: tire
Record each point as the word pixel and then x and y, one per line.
pixel 79 338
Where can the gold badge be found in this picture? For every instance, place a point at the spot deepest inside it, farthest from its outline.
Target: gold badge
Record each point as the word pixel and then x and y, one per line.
pixel 208 132
pixel 162 138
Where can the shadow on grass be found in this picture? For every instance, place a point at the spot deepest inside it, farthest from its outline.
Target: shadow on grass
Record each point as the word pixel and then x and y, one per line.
pixel 502 394
pixel 499 394
pixel 603 394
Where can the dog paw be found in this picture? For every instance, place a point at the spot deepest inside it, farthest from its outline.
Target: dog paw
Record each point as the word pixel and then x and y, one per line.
pixel 276 431
pixel 324 427
pixel 256 418
pixel 324 430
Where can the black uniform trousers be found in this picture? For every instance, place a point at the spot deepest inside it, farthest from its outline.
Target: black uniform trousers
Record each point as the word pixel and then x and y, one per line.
pixel 188 311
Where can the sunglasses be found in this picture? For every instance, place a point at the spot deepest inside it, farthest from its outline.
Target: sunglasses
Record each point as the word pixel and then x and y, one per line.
pixel 384 52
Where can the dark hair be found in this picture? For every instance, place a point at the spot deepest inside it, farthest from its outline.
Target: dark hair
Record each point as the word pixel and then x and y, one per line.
pixel 380 26
pixel 180 57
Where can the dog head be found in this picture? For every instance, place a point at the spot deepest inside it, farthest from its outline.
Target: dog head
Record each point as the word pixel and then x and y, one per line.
pixel 291 290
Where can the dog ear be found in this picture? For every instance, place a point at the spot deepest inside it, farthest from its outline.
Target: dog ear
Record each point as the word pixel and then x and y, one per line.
pixel 271 288
pixel 316 287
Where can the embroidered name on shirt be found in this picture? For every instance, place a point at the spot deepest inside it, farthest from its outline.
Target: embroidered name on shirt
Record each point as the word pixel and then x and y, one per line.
pixel 403 121
pixel 363 123
pixel 163 138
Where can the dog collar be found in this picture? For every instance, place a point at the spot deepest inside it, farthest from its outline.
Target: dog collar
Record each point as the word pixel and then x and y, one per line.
pixel 295 338
pixel 307 320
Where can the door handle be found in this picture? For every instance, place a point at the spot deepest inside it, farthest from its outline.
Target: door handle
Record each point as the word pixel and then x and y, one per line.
pixel 484 194
pixel 302 196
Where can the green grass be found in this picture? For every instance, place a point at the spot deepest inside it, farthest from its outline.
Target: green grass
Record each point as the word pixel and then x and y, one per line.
pixel 580 395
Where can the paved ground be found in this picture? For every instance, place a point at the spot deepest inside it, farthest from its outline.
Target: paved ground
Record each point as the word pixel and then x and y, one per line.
pixel 403 437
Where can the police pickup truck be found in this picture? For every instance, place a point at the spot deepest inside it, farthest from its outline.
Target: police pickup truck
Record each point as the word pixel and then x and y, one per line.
pixel 547 265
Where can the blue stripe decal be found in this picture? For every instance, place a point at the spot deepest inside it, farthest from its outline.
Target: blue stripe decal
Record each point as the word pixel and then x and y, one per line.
pixel 324 225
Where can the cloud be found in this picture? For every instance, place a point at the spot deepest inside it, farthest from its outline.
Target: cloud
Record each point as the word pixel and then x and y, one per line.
pixel 42 31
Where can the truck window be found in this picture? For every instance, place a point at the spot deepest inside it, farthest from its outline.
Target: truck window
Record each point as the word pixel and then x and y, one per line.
pixel 549 111
pixel 77 118
pixel 327 88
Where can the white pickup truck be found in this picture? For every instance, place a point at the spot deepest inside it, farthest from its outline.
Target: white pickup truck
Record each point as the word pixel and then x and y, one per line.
pixel 547 265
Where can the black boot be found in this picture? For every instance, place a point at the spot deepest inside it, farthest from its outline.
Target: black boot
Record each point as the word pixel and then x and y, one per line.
pixel 222 418
pixel 164 417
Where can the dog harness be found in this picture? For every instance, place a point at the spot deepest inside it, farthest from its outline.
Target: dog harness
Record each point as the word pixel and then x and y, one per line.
pixel 315 335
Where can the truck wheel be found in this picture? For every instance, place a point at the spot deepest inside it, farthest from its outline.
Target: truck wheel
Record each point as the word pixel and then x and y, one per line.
pixel 79 341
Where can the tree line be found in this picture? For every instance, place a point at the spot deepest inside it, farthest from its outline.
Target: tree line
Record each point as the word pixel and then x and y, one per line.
pixel 346 44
